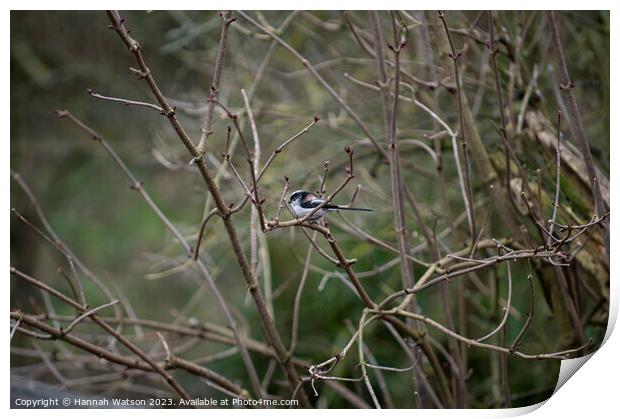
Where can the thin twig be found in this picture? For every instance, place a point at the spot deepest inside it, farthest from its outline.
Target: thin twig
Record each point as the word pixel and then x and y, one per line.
pixel 362 362
pixel 78 319
pixel 297 303
pixel 506 309
pixel 214 89
pixel 282 146
pixel 530 315
pixel 556 199
pixel 125 101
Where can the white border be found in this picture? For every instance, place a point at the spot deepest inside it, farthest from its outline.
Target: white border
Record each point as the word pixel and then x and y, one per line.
pixel 593 389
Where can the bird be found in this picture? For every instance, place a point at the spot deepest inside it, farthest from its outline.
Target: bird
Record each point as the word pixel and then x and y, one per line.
pixel 302 203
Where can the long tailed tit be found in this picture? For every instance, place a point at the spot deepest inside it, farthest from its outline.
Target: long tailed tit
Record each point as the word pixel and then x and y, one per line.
pixel 302 203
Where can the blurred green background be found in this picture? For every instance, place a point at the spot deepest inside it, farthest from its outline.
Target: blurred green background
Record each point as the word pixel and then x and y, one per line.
pixel 56 56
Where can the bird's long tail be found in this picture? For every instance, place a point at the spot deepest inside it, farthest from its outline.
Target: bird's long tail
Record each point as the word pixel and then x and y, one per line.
pixel 335 207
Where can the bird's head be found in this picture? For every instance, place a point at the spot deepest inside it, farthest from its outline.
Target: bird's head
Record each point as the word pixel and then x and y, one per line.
pixel 298 196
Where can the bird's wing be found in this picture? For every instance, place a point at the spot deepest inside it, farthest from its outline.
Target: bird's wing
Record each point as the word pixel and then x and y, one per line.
pixel 311 203
pixel 310 197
